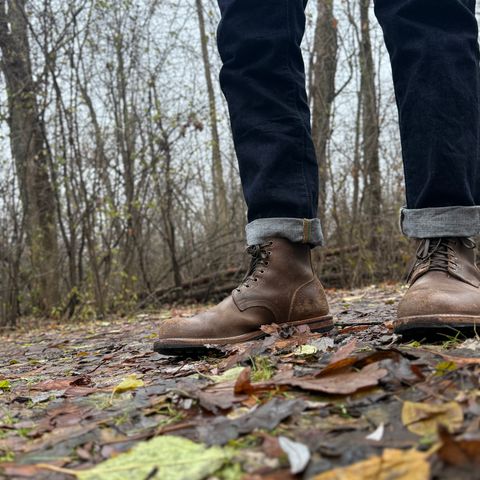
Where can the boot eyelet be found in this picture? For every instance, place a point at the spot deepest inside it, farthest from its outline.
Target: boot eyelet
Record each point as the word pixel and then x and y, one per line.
pixel 270 243
pixel 266 263
pixel 262 271
pixel 269 253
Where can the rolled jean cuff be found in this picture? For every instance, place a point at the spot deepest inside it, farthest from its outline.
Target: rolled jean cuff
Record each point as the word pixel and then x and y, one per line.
pixel 297 230
pixel 440 222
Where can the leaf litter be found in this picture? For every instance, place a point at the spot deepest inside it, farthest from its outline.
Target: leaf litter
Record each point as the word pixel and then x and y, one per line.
pixel 93 401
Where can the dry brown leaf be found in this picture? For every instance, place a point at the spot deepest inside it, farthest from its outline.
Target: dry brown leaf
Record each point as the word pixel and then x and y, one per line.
pixel 13 470
pixel 425 418
pixel 270 445
pixel 460 453
pixel 344 352
pixel 391 465
pixel 243 384
pixel 343 383
pixel 63 383
pixel 270 329
pixel 459 361
pixel 215 400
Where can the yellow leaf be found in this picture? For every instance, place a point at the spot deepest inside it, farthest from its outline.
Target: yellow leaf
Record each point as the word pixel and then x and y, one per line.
pixel 5 385
pixel 425 418
pixel 306 350
pixel 443 368
pixel 228 375
pixel 391 465
pixel 129 383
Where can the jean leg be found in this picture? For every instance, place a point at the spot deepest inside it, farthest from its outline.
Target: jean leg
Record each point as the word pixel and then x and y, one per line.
pixel 263 80
pixel 434 55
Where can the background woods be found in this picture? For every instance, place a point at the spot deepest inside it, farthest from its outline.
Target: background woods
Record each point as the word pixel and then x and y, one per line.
pixel 118 179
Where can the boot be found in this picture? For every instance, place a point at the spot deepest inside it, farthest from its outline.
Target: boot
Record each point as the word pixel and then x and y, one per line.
pixel 280 287
pixel 444 293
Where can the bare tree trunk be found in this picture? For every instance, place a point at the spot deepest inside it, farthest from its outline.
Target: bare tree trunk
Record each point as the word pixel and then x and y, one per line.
pixel 370 122
pixel 220 196
pixel 125 126
pixel 168 214
pixel 356 166
pixel 30 153
pixel 324 67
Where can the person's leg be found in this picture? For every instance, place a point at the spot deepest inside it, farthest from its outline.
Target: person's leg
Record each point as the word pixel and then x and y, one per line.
pixel 434 54
pixel 435 64
pixel 263 81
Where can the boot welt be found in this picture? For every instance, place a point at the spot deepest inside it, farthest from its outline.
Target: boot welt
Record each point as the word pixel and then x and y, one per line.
pixel 188 346
pixel 440 324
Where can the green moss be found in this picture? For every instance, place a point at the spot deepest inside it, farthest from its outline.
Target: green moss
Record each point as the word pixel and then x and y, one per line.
pixel 262 369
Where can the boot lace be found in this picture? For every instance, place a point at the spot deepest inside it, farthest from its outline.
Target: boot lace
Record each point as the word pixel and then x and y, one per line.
pixel 259 254
pixel 438 253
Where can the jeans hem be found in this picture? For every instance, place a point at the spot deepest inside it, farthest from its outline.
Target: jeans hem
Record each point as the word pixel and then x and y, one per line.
pixel 455 221
pixel 297 230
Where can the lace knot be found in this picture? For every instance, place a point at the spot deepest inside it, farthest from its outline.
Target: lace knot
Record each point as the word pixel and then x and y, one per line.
pixel 259 254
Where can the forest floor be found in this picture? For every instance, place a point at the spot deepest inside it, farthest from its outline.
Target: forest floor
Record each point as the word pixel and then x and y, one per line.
pixel 93 401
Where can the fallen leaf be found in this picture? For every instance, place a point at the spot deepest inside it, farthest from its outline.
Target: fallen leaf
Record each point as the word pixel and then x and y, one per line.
pixel 172 458
pixel 341 358
pixel 14 470
pixel 243 383
pixel 425 418
pixel 286 337
pixel 266 417
pixel 229 375
pixel 471 344
pixel 215 400
pixel 445 367
pixel 459 361
pixel 270 329
pixel 460 453
pixel 342 383
pixel 355 328
pixel 63 383
pixel 323 344
pixel 377 434
pixel 391 465
pixel 271 446
pixel 5 385
pixel 345 359
pixel 401 372
pixel 306 350
pixel 298 454
pixel 131 382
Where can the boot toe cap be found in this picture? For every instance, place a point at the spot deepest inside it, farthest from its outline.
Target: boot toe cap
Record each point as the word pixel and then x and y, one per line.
pixel 451 297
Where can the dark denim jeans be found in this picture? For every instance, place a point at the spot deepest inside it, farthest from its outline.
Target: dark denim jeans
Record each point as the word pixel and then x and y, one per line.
pixel 435 63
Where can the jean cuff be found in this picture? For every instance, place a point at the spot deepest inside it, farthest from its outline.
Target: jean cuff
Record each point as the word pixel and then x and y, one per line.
pixel 440 222
pixel 297 230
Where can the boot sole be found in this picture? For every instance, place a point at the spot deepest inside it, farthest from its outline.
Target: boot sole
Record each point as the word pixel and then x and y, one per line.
pixel 198 346
pixel 437 327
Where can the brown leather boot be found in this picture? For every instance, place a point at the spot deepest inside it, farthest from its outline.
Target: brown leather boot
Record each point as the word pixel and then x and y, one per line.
pixel 280 287
pixel 444 293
